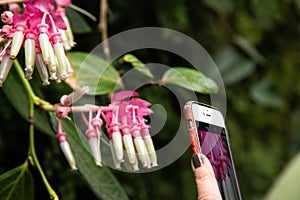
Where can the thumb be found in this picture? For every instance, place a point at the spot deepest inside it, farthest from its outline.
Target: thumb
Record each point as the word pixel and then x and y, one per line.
pixel 207 186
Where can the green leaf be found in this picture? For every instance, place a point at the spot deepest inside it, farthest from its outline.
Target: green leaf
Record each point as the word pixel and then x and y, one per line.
pixel 15 92
pixel 249 49
pixel 78 24
pixel 94 72
pixel 137 64
pixel 100 180
pixel 287 185
pixel 189 79
pixel 17 184
pixel 233 66
pixel 262 93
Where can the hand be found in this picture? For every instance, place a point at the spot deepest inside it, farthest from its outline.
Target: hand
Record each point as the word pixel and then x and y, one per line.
pixel 207 186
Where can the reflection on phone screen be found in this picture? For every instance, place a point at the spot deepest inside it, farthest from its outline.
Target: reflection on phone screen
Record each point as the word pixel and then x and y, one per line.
pixel 214 145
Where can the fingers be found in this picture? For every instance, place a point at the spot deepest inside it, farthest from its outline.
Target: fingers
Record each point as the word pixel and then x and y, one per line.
pixel 206 182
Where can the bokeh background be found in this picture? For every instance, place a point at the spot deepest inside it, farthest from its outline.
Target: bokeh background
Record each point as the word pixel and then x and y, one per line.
pixel 256 47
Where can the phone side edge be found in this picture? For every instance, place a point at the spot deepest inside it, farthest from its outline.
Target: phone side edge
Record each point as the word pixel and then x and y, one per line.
pixel 191 127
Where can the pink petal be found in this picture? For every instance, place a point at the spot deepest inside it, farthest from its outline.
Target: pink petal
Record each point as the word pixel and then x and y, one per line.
pixel 18 18
pixel 65 3
pixel 139 102
pixel 59 22
pixel 122 109
pixel 119 96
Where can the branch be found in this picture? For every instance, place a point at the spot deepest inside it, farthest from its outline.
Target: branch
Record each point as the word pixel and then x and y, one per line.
pixel 4 2
pixel 103 28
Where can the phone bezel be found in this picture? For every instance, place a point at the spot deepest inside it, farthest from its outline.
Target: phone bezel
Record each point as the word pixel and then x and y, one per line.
pixel 207 114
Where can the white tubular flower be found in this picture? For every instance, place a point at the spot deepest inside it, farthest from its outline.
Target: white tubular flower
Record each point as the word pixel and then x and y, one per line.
pixel 65 147
pixel 141 147
pixel 118 145
pixel 142 152
pixel 69 33
pixel 29 55
pixel 17 40
pixel 42 69
pixel 68 66
pixel 94 143
pixel 61 60
pixel 129 146
pixel 113 154
pixel 44 42
pixel 5 67
pixel 64 40
pixel 151 150
pixel 52 66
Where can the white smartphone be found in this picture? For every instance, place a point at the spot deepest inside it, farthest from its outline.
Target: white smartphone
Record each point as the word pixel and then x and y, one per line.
pixel 209 136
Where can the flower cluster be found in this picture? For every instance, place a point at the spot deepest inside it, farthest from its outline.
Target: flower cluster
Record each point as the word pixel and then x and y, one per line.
pixel 125 124
pixel 215 149
pixel 45 33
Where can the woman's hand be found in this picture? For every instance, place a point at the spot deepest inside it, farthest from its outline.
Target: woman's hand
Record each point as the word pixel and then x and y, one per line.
pixel 207 186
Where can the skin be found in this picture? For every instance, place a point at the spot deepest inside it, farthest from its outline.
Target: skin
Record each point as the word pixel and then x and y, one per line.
pixel 206 182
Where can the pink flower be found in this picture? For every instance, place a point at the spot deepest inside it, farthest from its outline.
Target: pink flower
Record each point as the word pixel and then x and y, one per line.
pixel 125 124
pixel 42 31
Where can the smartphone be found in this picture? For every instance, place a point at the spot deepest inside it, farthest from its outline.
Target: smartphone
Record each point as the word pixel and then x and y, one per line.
pixel 209 136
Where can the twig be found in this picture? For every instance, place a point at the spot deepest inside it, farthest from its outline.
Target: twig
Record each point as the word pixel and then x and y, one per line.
pixel 82 11
pixel 3 2
pixel 103 28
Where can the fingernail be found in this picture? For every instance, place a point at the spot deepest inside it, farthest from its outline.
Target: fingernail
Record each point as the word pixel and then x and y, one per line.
pixel 196 160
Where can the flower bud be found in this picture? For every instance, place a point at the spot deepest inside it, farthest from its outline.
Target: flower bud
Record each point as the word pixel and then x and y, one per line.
pixel 118 145
pixel 5 31
pixel 5 67
pixel 29 57
pixel 16 44
pixel 42 69
pixel 67 100
pixel 14 8
pixel 7 17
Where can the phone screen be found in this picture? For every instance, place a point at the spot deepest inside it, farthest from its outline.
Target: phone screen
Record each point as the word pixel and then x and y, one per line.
pixel 214 144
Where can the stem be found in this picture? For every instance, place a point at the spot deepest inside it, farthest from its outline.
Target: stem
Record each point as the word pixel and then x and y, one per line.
pixel 32 157
pixel 32 154
pixel 32 97
pixel 25 82
pixel 103 28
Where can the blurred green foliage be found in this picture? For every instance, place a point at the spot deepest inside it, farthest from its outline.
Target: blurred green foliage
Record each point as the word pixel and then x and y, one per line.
pixel 256 46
